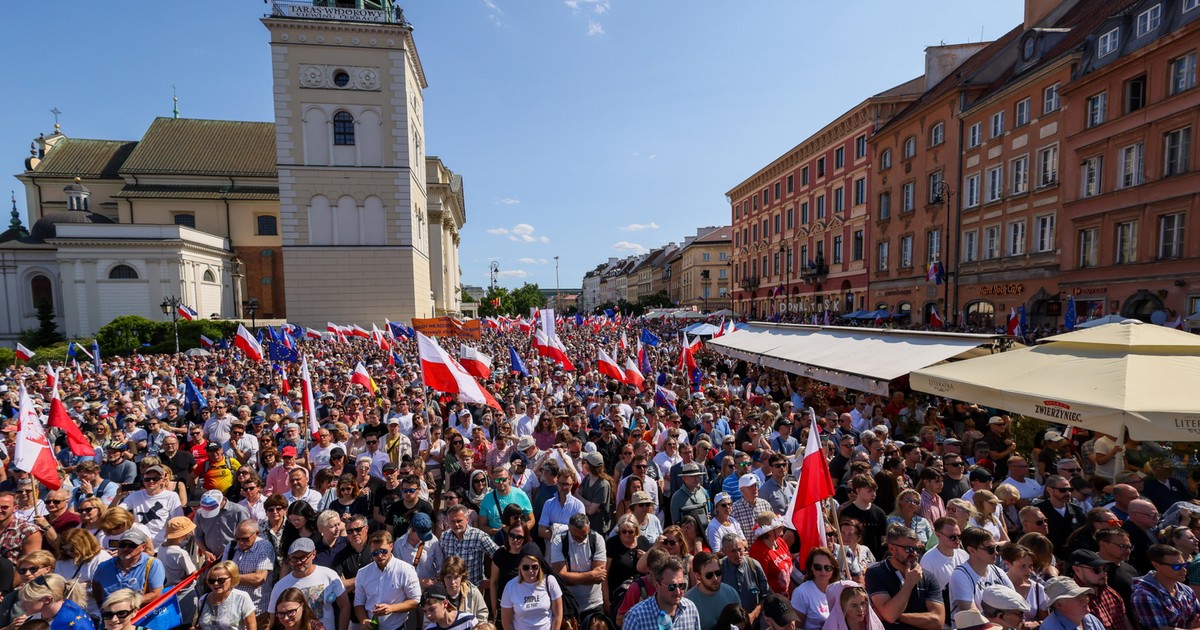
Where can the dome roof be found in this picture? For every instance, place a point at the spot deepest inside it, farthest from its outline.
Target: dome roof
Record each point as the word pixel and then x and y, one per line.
pixel 46 227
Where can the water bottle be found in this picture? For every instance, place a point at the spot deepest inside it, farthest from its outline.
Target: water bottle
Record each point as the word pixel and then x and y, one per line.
pixel 664 621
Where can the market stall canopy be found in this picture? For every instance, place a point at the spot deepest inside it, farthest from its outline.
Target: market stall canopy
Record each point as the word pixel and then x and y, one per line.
pixel 863 359
pixel 1100 321
pixel 1130 375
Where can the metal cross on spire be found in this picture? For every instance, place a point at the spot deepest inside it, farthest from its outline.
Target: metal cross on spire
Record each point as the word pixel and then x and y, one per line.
pixel 57 113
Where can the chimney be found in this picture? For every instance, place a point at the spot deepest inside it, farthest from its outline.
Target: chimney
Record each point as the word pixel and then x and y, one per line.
pixel 1036 10
pixel 940 61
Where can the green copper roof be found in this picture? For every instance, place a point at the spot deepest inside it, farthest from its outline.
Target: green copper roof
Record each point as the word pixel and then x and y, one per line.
pixel 188 146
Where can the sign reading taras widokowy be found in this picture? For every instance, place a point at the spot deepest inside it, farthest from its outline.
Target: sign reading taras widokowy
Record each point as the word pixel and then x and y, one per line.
pixel 448 327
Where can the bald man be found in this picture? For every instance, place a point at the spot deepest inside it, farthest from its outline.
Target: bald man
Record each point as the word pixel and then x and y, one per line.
pixel 1123 495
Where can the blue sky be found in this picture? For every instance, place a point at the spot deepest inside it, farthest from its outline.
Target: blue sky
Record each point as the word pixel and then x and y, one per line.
pixel 583 128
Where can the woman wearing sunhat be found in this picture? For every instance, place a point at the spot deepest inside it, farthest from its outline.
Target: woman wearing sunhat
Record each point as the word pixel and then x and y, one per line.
pixel 772 553
pixel 177 562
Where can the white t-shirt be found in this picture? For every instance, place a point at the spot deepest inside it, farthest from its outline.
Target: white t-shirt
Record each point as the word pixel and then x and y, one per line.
pixel 530 603
pixel 1029 488
pixel 941 566
pixel 321 588
pixel 153 511
pixel 319 456
pixel 312 497
pixel 717 531
pixel 1104 446
pixel 809 601
pixel 589 596
pixel 396 583
pixel 82 574
pixel 229 614
pixel 967 586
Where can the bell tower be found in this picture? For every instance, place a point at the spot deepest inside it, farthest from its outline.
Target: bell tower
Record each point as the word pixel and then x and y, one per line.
pixel 350 147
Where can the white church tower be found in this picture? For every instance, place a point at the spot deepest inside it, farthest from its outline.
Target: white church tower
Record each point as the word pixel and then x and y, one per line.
pixel 350 143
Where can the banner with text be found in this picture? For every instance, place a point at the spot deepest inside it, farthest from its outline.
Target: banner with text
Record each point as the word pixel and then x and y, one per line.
pixel 448 327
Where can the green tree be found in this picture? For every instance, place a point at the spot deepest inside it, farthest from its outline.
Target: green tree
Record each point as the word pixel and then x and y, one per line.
pixel 47 332
pixel 7 358
pixel 526 297
pixel 128 332
pixel 496 302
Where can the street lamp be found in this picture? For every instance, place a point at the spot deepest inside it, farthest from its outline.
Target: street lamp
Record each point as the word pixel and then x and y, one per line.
pixel 250 306
pixel 941 196
pixel 557 304
pixel 785 254
pixel 170 306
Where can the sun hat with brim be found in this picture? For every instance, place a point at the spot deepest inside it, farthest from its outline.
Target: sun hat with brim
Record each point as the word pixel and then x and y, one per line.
pixel 763 530
pixel 1063 588
pixel 179 527
pixel 971 620
pixel 640 498
pixel 691 470
pixel 1001 597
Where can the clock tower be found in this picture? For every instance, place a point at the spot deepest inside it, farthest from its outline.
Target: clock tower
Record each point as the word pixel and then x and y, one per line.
pixel 349 136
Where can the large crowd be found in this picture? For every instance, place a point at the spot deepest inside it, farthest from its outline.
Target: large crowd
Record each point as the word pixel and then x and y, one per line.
pixel 581 502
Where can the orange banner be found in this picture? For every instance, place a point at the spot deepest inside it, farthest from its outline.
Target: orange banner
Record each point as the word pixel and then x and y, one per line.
pixel 448 327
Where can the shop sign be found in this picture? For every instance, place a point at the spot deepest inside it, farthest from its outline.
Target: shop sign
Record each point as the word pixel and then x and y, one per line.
pixel 1011 288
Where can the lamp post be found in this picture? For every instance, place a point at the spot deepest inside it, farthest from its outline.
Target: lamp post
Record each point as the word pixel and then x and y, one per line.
pixel 785 254
pixel 251 306
pixel 170 306
pixel 941 196
pixel 557 297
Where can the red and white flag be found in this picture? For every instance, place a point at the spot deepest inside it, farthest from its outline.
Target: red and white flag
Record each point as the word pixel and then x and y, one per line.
pixel 558 352
pixel 310 406
pixel 205 342
pixel 687 360
pixel 935 320
pixel 633 375
pixel 24 353
pixel 1014 323
pixel 58 417
pixel 608 367
pixel 814 486
pixel 720 330
pixel 246 342
pixel 187 312
pixel 309 333
pixel 441 372
pixel 32 453
pixel 362 377
pixel 476 363
pixel 624 341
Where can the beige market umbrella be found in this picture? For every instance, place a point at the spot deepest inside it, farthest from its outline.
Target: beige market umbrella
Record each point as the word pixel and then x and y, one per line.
pixel 1129 375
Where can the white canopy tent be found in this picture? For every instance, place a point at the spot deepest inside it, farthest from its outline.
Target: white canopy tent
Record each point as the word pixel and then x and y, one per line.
pixel 1100 321
pixel 857 358
pixel 1127 376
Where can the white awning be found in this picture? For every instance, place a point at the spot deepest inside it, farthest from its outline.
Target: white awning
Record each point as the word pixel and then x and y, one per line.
pixel 863 359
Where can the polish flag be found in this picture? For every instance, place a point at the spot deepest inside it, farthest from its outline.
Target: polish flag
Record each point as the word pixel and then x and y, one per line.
pixel 1014 323
pixel 624 342
pixel 187 313
pixel 354 330
pixel 312 334
pixel 687 360
pixel 721 330
pixel 441 372
pixel 936 320
pixel 205 342
pixel 310 406
pixel 246 342
pixel 361 377
pixel 608 367
pixel 52 380
pixel 475 362
pixel 539 343
pixel 24 353
pixel 58 418
pixel 32 453
pixel 814 486
pixel 633 376
pixel 558 352
pixel 525 326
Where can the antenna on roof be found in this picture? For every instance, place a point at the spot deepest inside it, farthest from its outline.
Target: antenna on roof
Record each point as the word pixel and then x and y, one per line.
pixel 175 100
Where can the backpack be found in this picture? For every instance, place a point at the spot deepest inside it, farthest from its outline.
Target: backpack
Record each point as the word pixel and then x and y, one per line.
pixel 570 605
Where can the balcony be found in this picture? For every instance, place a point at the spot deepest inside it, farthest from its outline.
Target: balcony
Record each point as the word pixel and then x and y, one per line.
pixel 749 283
pixel 372 11
pixel 814 271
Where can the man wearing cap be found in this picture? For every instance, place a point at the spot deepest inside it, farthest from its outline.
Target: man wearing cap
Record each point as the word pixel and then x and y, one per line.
pixel 421 549
pixel 783 442
pixel 321 586
pixel 1062 516
pixel 980 478
pixel 116 467
pixel 440 612
pixel 1000 445
pixel 1004 607
pixel 215 471
pixel 386 590
pixel 216 521
pixel 153 505
pixel 692 498
pixel 1089 570
pixel 1068 603
pixel 672 582
pixel 255 559
pixel 1162 488
pixel 749 506
pixel 130 568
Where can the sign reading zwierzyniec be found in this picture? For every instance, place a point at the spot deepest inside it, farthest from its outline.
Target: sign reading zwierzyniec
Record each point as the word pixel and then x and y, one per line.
pixel 334 13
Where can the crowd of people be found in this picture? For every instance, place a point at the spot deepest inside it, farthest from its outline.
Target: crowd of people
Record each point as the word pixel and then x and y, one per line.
pixel 581 502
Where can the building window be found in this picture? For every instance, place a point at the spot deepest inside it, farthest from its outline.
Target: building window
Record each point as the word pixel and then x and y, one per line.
pixel 909 190
pixel 804 218
pixel 1097 105
pixel 1089 247
pixel 933 245
pixel 268 225
pixel 972 188
pixel 935 185
pixel 754 232
pixel 1016 238
pixel 791 215
pixel 881 256
pixel 1126 242
pixel 1170 236
pixel 910 147
pixel 791 184
pixel 997 126
pixel 974 135
pixel 839 199
pixel 122 272
pixel 1183 73
pixel 1050 99
pixel 995 178
pixel 1021 115
pixel 1131 165
pixel 859 243
pixel 343 129
pixel 837 249
pixel 885 160
pixel 1020 175
pixel 970 245
pixel 860 191
pixel 906 251
pixel 991 242
pixel 1188 5
pixel 820 206
pixel 860 147
pixel 209 276
pixel 839 157
pixel 1178 147
pixel 1047 166
pixel 186 219
pixel 937 134
pixel 765 197
pixel 754 199
pixel 885 205
pixel 1148 20
pixel 1092 172
pixel 40 290
pixel 1135 94
pixel 821 167
pixel 778 190
pixel 804 176
pixel 1045 233
pixel 1109 42
pixel 722 274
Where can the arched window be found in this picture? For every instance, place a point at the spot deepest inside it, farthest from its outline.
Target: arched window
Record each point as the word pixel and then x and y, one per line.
pixel 885 159
pixel 981 315
pixel 910 147
pixel 40 290
pixel 123 272
pixel 937 134
pixel 343 129
pixel 209 276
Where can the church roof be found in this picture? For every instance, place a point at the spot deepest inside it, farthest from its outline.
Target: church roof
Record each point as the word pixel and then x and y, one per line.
pixel 90 159
pixel 245 193
pixel 188 146
pixel 46 227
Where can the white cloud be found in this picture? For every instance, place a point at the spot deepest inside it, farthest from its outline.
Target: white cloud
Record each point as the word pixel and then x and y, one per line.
pixel 594 29
pixel 519 233
pixel 494 12
pixel 638 227
pixel 532 261
pixel 593 7
pixel 514 273
pixel 508 201
pixel 626 246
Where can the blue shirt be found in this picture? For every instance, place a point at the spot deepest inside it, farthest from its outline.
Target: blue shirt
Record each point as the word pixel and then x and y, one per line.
pixel 111 578
pixel 1057 622
pixel 730 485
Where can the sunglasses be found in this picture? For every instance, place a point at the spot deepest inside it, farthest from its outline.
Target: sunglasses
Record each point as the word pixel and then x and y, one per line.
pixel 1175 567
pixel 379 553
pixel 678 586
pixel 28 570
pixel 125 544
pixel 530 567
pixel 108 615
pixel 824 568
pixel 991 551
pixel 907 548
pixel 670 542
pixel 711 574
pixel 217 581
pixel 291 612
